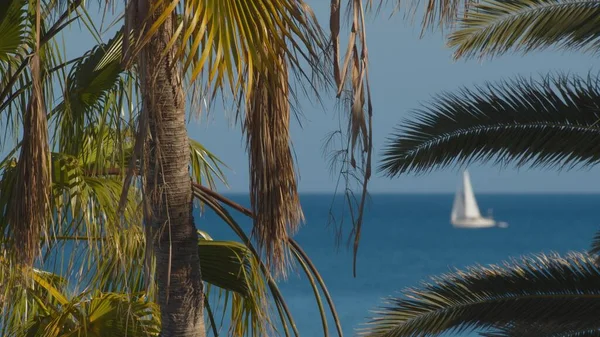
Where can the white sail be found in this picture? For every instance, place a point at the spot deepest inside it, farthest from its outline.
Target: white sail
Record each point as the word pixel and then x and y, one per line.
pixel 471 208
pixel 458 208
pixel 465 211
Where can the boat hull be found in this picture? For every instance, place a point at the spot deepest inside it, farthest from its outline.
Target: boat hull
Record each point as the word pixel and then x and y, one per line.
pixel 473 223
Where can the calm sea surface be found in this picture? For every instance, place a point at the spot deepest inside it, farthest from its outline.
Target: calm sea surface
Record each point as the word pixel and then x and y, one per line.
pixel 407 238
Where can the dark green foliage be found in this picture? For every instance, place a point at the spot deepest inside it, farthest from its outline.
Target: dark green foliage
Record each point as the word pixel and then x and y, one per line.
pixel 553 292
pixel 553 122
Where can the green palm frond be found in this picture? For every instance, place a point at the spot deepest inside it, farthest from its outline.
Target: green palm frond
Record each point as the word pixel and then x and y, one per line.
pixel 18 26
pixel 228 265
pixel 118 266
pixel 27 292
pixel 549 122
pixel 88 88
pixel 103 314
pixel 94 197
pixel 206 167
pixel 541 330
pixel 535 290
pixel 494 27
pixel 13 27
pixel 236 272
pixel 105 150
pixel 212 200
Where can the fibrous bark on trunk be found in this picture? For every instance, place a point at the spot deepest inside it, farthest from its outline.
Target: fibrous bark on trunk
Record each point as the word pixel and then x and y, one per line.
pixel 168 186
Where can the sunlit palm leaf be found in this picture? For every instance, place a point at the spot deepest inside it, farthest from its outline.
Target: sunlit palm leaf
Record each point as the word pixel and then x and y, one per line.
pixel 96 197
pixel 495 27
pixel 536 290
pixel 258 324
pixel 26 292
pixel 553 122
pixel 109 314
pixel 234 269
pixel 206 167
pixel 226 264
pixel 225 38
pixel 313 276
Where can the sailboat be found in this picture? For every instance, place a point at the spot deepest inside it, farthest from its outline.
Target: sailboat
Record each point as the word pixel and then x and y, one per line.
pixel 465 212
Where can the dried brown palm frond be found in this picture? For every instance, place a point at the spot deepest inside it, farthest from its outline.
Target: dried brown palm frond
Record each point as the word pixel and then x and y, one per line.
pixel 273 190
pixel 31 196
pixel 352 80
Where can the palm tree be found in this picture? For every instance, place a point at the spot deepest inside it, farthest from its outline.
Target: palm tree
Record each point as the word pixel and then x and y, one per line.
pixel 93 133
pixel 215 39
pixel 549 122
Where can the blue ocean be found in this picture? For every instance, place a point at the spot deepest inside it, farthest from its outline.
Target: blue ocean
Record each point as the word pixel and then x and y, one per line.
pixel 408 238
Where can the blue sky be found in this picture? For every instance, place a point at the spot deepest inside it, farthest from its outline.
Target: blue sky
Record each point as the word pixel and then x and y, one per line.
pixel 405 71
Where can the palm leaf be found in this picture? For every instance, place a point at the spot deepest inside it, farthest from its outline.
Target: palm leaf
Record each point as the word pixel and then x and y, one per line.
pixel 15 76
pixel 13 27
pixel 89 84
pixel 227 265
pixel 213 200
pixel 595 249
pixel 109 314
pixel 283 311
pixel 535 290
pixel 495 27
pixel 541 330
pixel 223 39
pixel 26 292
pixel 550 122
pixel 205 165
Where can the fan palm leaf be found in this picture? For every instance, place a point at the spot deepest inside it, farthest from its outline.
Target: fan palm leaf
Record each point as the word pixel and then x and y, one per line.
pixel 103 314
pixel 532 290
pixel 495 27
pixel 18 25
pixel 223 39
pixel 13 28
pixel 89 85
pixel 549 122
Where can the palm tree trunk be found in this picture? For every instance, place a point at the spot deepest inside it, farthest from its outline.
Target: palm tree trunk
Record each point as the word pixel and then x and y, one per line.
pixel 168 188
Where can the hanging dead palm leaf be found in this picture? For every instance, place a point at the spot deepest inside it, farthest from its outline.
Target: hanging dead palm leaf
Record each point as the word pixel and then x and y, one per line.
pixel 30 200
pixel 352 80
pixel 274 195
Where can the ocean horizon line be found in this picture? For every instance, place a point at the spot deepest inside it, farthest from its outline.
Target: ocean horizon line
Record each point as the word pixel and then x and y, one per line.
pixel 331 193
